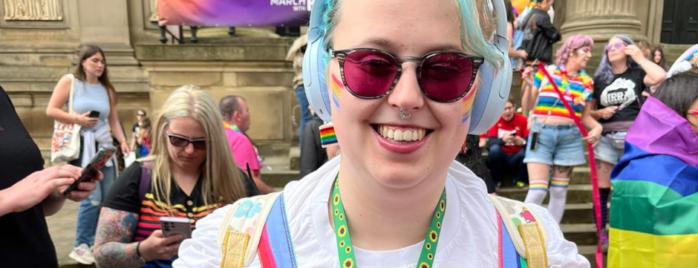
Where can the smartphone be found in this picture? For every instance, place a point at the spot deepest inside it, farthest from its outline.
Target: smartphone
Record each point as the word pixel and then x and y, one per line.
pixel 93 114
pixel 91 171
pixel 534 140
pixel 173 225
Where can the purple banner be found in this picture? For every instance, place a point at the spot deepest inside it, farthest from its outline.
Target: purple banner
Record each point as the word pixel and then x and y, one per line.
pixel 244 13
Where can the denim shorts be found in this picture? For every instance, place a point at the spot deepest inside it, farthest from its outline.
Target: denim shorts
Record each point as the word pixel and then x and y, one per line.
pixel 605 151
pixel 559 145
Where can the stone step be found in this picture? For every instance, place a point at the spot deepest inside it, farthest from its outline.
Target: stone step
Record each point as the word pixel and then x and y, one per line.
pixel 578 213
pixel 580 233
pixel 277 171
pixel 576 194
pixel 294 155
pixel 589 252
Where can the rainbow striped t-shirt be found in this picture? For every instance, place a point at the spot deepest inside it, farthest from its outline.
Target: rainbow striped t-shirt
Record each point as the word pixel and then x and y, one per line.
pixel 577 91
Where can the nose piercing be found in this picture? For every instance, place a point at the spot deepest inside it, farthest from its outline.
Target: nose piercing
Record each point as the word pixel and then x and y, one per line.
pixel 405 116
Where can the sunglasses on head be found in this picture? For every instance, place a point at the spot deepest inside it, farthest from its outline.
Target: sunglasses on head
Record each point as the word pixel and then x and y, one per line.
pixel 372 73
pixel 616 46
pixel 181 142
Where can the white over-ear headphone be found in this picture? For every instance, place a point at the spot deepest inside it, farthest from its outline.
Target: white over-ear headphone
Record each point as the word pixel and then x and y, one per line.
pixel 489 102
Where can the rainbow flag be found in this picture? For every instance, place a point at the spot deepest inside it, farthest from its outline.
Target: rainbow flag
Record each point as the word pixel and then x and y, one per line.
pixel 246 13
pixel 654 207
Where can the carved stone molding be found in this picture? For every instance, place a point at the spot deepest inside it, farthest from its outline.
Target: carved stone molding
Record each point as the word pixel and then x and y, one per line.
pixel 153 10
pixel 33 10
pixel 601 19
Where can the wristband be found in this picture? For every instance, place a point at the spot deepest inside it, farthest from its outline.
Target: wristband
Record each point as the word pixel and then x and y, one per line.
pixel 138 252
pixel 138 249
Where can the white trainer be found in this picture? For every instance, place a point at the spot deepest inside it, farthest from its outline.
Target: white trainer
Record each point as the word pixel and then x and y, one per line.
pixel 83 255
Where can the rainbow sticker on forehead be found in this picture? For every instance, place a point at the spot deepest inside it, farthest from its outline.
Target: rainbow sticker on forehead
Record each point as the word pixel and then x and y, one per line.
pixel 468 101
pixel 337 87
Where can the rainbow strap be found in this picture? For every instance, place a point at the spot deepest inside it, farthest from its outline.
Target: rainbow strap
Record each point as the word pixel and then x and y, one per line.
pixel 275 246
pixel 327 135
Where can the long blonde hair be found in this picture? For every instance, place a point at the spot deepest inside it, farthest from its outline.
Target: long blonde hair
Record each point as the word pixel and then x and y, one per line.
pixel 222 181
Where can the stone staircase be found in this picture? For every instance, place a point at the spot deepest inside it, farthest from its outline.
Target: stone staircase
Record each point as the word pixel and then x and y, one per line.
pixel 577 223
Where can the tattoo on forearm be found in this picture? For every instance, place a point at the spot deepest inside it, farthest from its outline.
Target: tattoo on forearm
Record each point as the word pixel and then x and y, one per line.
pixel 113 246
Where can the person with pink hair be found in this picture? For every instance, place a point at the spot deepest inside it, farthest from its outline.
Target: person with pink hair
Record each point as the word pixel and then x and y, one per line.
pixel 555 141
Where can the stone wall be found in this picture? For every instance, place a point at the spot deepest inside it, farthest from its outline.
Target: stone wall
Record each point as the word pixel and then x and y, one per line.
pixel 252 68
pixel 39 41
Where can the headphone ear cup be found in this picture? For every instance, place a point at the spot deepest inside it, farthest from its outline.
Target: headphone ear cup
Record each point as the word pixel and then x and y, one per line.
pixel 315 66
pixel 491 97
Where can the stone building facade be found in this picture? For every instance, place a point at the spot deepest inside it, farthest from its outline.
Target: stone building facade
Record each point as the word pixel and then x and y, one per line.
pixel 39 41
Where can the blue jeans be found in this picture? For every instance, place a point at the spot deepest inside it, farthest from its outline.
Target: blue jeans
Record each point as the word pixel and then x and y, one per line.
pixel 500 163
pixel 88 213
pixel 305 113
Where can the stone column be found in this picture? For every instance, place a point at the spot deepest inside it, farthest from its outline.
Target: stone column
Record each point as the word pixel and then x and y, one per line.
pixel 601 19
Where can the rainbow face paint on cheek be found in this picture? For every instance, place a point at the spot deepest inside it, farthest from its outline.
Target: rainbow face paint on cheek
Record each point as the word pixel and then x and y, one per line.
pixel 337 88
pixel 468 101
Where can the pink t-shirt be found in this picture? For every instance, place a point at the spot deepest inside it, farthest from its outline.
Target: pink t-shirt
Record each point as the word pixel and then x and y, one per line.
pixel 243 151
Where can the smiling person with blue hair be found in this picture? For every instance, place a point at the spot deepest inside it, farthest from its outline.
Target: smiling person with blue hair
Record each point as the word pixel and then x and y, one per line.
pixel 406 81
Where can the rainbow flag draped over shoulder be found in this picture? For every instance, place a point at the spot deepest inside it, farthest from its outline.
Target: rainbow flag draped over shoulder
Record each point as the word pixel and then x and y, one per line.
pixel 654 207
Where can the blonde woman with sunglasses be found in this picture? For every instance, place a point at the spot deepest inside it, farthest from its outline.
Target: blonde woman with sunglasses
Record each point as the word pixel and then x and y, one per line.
pixel 189 173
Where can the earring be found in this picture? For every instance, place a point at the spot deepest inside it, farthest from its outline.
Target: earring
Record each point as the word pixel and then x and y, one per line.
pixel 327 135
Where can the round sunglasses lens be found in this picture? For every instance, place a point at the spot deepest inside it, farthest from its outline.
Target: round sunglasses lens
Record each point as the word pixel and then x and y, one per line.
pixel 446 77
pixel 369 73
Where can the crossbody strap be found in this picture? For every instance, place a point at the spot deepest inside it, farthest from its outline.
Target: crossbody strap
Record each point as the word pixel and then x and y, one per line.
pixel 71 109
pixel 146 171
pixel 242 229
pixel 592 163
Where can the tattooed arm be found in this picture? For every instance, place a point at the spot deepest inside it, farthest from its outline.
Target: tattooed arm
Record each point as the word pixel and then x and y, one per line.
pixel 113 246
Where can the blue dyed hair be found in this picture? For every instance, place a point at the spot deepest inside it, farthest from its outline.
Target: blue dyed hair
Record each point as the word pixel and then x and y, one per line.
pixel 605 72
pixel 474 27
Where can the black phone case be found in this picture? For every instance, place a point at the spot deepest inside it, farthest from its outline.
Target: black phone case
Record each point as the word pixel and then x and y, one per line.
pixel 91 171
pixel 94 114
pixel 534 140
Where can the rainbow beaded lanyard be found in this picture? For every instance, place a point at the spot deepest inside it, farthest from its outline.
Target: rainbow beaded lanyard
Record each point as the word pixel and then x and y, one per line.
pixel 346 251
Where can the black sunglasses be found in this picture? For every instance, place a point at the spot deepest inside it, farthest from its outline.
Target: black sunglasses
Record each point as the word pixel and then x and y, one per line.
pixel 178 141
pixel 443 76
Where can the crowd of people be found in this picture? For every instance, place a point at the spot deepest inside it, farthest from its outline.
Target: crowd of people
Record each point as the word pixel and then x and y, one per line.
pixel 402 103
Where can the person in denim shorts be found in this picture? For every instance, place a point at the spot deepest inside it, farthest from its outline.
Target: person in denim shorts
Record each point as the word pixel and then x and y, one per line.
pixel 554 140
pixel 622 77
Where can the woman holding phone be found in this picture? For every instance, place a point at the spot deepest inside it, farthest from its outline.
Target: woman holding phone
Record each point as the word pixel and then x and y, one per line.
pixel 29 193
pixel 189 173
pixel 95 106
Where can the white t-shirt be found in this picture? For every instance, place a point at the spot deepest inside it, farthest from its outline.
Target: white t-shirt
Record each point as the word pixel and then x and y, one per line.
pixel 469 236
